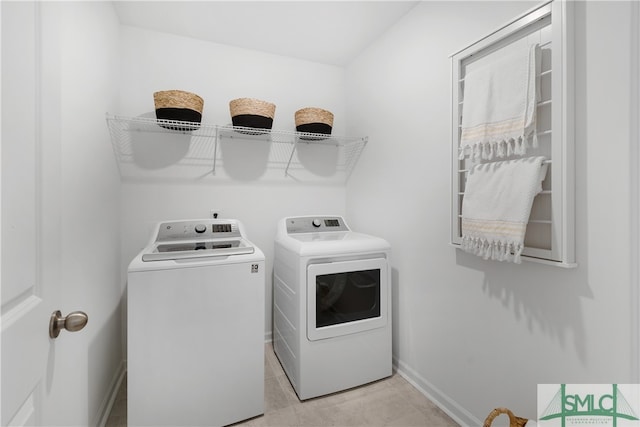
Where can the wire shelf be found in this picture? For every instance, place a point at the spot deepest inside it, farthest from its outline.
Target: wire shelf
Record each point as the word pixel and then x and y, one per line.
pixel 146 147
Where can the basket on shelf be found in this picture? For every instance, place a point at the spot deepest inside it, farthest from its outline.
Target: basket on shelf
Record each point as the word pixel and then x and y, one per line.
pixel 252 113
pixel 514 421
pixel 314 120
pixel 178 105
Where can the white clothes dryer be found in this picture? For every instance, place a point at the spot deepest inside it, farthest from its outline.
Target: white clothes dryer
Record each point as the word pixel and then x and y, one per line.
pixel 195 342
pixel 331 305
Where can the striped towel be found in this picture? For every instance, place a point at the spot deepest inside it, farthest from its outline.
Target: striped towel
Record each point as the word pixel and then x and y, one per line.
pixel 499 108
pixel 497 204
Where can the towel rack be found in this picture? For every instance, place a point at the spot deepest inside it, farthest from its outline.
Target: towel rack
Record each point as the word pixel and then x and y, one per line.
pixel 550 233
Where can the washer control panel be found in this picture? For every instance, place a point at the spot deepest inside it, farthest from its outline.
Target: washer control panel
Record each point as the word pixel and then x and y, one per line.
pixel 197 229
pixel 315 224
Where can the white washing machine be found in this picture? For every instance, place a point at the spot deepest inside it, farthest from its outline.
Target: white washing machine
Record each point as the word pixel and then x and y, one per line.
pixel 195 344
pixel 331 305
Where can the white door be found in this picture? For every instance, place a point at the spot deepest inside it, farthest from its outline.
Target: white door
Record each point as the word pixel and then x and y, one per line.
pixel 30 259
pixel 24 333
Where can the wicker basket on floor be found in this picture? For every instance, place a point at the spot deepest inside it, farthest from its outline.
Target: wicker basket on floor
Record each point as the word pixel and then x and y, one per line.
pixel 514 421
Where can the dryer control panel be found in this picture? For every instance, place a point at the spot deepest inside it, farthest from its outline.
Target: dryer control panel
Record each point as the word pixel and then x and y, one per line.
pixel 315 224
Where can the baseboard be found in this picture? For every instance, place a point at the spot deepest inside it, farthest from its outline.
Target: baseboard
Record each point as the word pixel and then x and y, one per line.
pixel 444 402
pixel 110 398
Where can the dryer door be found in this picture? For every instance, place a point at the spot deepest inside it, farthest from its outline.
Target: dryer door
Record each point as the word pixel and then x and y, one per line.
pixel 346 297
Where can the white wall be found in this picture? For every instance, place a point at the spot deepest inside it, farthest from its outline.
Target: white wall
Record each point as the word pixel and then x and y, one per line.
pixel 79 83
pixel 477 334
pixel 152 61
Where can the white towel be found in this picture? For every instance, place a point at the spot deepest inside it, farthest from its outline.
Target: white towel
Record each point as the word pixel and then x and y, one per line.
pixel 499 108
pixel 496 206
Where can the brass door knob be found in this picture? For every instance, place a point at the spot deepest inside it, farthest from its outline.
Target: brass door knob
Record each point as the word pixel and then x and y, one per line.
pixel 73 322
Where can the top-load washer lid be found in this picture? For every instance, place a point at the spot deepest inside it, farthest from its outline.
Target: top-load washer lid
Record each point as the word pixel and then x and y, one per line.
pixel 197 239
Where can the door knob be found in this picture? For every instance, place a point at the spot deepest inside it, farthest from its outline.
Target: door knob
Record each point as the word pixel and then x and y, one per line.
pixel 73 322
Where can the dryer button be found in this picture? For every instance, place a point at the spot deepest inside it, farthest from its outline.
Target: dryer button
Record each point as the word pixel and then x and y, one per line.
pixel 316 223
pixel 201 228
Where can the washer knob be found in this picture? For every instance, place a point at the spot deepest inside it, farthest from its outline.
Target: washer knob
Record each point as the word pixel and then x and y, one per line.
pixel 316 223
pixel 201 228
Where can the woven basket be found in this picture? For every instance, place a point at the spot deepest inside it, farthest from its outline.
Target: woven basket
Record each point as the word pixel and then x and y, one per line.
pixel 315 120
pixel 313 115
pixel 178 105
pixel 514 421
pixel 253 113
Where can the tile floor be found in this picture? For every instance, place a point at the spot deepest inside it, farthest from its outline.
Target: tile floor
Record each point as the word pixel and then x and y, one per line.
pixel 389 402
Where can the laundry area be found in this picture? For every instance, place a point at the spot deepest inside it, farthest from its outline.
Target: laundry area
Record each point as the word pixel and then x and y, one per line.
pixel 307 213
